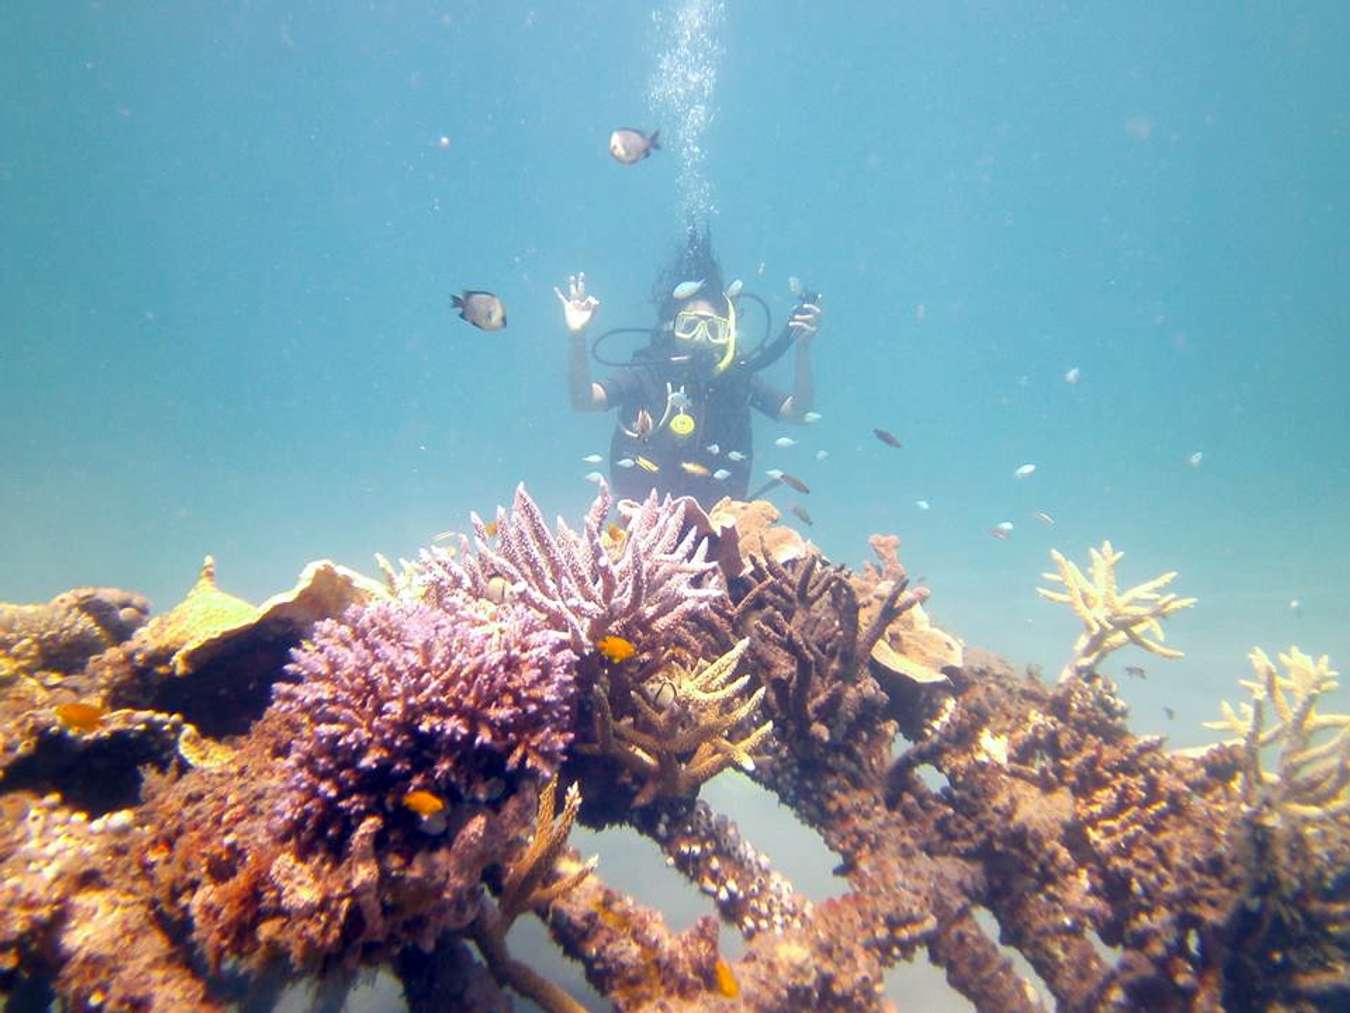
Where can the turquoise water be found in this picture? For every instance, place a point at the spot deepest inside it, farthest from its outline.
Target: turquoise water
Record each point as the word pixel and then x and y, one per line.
pixel 230 236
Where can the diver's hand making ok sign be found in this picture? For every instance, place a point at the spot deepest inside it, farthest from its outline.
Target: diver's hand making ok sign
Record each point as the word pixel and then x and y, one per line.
pixel 578 307
pixel 805 320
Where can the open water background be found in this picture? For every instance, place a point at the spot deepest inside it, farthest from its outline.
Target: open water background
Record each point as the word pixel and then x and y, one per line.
pixel 230 232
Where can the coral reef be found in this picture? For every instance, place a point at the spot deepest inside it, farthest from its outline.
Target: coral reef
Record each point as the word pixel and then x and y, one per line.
pixel 359 775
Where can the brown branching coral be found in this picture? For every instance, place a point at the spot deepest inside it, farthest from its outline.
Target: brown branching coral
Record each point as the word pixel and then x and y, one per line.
pixel 680 731
pixel 526 888
pixel 1111 618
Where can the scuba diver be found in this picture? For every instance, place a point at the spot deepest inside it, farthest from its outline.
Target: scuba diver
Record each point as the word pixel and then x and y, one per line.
pixel 684 398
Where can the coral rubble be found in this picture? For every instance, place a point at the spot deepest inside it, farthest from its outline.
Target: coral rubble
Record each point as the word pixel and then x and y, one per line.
pixel 359 775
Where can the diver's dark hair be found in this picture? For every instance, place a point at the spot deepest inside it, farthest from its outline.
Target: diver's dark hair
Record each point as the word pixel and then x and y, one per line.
pixel 694 261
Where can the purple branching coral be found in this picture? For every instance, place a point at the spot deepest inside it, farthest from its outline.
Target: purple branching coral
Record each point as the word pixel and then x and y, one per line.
pixel 642 586
pixel 448 698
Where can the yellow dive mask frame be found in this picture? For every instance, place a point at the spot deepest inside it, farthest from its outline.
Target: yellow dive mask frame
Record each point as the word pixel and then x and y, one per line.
pixel 716 331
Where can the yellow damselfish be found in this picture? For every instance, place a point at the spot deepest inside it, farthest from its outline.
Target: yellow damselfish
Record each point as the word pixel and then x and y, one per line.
pixel 616 649
pixel 424 803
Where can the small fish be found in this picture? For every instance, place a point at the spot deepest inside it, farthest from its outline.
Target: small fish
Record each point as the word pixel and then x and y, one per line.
pixel 630 146
pixel 727 986
pixel 792 481
pixel 499 590
pixel 694 468
pixel 1002 530
pixel 795 285
pixel 1071 377
pixel 1024 471
pixel 735 455
pixel 721 474
pixel 713 449
pixel 625 462
pixel 1195 459
pixel 595 476
pixel 822 454
pixel 1171 714
pixel 801 513
pixel 424 803
pixel 491 528
pixel 1044 518
pixel 1135 672
pixel 615 533
pixel 615 649
pixel 1296 607
pixel 775 473
pixel 679 400
pixel 687 289
pixel 648 465
pixel 812 417
pixel 482 309
pixel 643 425
pixel 923 504
pixel 734 289
pixel 785 442
pixel 888 438
pixel 79 716
pixel 592 458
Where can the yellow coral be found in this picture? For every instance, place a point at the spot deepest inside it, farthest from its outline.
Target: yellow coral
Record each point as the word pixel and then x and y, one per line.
pixel 1312 775
pixel 678 738
pixel 1111 618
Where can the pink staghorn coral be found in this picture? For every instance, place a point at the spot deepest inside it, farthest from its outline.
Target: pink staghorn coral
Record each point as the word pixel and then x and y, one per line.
pixel 447 698
pixel 652 583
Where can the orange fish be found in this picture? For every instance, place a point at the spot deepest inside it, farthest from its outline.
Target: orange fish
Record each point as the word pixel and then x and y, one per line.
pixel 616 649
pixel 694 468
pixel 726 981
pixel 890 439
pixel 647 465
pixel 616 533
pixel 82 717
pixel 491 528
pixel 424 803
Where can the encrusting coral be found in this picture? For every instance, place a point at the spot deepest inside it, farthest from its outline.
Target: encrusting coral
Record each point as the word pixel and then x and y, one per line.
pixel 1111 618
pixel 385 791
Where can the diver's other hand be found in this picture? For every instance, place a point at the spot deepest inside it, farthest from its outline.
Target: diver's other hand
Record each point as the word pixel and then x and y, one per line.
pixel 578 307
pixel 806 321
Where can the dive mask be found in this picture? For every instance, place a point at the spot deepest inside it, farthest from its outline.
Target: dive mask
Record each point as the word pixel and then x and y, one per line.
pixel 710 331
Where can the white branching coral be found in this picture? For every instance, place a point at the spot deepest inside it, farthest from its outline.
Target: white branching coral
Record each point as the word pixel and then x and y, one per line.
pixel 680 731
pixel 1111 618
pixel 1311 777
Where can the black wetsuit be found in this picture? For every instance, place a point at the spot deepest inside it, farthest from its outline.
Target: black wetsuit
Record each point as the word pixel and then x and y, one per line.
pixel 718 414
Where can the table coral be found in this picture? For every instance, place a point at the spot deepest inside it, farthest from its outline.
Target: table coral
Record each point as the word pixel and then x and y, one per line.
pixel 395 801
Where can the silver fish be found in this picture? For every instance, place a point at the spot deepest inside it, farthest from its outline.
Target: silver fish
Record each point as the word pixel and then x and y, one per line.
pixel 735 455
pixel 822 454
pixel 811 417
pixel 775 473
pixel 785 442
pixel 482 309
pixel 630 146
pixel 734 289
pixel 721 474
pixel 795 285
pixel 713 449
pixel 679 400
pixel 687 289
pixel 1024 471
pixel 592 458
pixel 625 462
pixel 594 476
